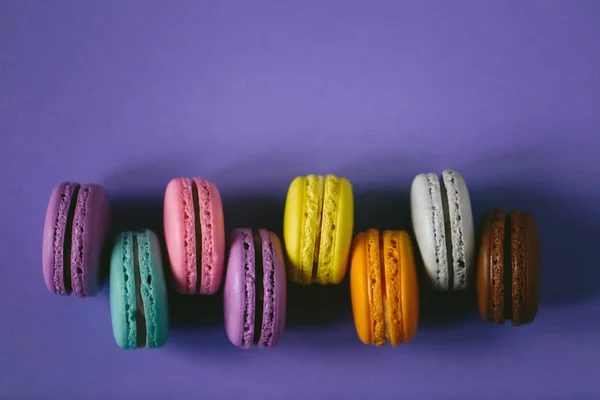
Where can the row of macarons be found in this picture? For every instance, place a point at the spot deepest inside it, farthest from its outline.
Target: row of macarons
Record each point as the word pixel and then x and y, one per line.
pixel 318 246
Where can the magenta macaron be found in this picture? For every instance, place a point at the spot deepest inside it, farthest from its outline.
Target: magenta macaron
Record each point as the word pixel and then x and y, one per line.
pixel 194 235
pixel 255 289
pixel 75 231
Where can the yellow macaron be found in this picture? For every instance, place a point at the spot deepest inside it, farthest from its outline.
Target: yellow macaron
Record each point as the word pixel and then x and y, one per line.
pixel 383 286
pixel 317 228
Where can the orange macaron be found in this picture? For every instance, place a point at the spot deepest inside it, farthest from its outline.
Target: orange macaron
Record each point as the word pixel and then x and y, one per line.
pixel 384 288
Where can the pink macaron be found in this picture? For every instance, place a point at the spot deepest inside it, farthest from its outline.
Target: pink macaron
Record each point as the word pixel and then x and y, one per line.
pixel 195 235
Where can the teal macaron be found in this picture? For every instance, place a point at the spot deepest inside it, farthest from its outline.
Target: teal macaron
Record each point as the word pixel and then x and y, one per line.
pixel 138 293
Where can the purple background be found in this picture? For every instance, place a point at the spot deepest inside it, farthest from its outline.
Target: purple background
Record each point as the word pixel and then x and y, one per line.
pixel 251 94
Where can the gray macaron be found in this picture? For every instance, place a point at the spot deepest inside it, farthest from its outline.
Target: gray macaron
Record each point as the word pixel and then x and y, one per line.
pixel 443 224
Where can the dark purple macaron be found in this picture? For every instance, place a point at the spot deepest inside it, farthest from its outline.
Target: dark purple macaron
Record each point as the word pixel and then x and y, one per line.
pixel 255 289
pixel 76 227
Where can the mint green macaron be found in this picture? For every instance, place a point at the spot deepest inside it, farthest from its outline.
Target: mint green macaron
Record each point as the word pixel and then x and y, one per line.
pixel 138 294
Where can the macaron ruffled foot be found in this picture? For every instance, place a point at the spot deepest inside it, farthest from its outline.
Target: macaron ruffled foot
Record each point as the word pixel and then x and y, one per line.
pixel 75 231
pixel 138 293
pixel 443 225
pixel 384 289
pixel 509 268
pixel 255 289
pixel 318 226
pixel 195 235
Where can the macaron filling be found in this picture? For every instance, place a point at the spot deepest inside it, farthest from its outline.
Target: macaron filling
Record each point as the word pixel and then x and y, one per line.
pixel 384 297
pixel 198 235
pixel 376 289
pixel 249 289
pixel 267 332
pixel 326 243
pixel 447 234
pixel 77 251
pixel 438 223
pixel 259 287
pixel 455 241
pixel 68 237
pixel 311 229
pixel 392 280
pixel 140 314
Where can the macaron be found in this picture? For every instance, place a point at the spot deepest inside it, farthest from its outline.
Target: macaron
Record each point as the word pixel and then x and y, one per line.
pixel 75 231
pixel 384 288
pixel 138 294
pixel 509 267
pixel 255 289
pixel 443 225
pixel 317 228
pixel 194 235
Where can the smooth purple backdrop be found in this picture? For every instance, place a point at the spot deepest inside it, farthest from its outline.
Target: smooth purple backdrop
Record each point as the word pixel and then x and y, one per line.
pixel 250 94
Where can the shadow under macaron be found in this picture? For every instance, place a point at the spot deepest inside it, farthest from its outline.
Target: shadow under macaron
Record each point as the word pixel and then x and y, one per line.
pixel 186 313
pixel 325 305
pixel 567 249
pixel 254 211
pixel 198 321
pixel 321 316
pixel 130 213
pixel 390 210
pixel 568 239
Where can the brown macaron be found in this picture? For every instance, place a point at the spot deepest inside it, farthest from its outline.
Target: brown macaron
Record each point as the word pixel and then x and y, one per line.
pixel 509 267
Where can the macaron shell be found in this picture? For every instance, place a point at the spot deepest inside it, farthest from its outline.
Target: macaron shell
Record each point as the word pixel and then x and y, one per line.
pixel 292 226
pixel 239 288
pixel 213 236
pixel 518 286
pixel 359 289
pixel 461 227
pixel 327 229
pixel 79 257
pixel 375 288
pixel 122 292
pixel 280 289
pixel 180 237
pixel 56 218
pixel 497 266
pixel 273 319
pixel 311 227
pixel 153 287
pixel 391 256
pixel 90 229
pixel 344 229
pixel 409 287
pixel 428 225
